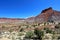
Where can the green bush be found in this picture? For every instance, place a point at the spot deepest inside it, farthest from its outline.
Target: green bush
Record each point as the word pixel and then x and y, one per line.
pixel 21 29
pixel 34 25
pixel 29 34
pixel 39 33
pixel 20 34
pixel 3 26
pixel 57 26
pixel 10 30
pixel 59 37
pixel 50 21
pixel 49 30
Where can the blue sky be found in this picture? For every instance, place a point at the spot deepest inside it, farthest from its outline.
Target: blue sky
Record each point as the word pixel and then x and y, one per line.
pixel 25 8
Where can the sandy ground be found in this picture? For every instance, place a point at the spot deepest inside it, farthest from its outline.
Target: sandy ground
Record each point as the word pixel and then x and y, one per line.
pixel 4 39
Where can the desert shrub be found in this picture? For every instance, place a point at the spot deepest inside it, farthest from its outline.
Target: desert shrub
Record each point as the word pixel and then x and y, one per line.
pixel 38 24
pixel 58 23
pixel 39 33
pixel 10 30
pixel 50 21
pixel 29 34
pixel 21 29
pixel 57 26
pixel 34 25
pixel 3 26
pixel 59 37
pixel 44 23
pixel 49 31
pixel 13 38
pixel 27 26
pixel 20 34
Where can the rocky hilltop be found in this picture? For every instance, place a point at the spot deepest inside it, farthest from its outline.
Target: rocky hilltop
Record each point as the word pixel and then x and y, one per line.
pixel 46 15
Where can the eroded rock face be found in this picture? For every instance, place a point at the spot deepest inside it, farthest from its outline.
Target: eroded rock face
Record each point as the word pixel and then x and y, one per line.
pixel 48 14
pixel 44 16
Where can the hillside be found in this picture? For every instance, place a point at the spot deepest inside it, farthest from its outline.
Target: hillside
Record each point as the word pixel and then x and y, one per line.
pixel 46 15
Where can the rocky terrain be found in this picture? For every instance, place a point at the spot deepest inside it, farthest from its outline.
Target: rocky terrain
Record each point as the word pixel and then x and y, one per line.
pixel 45 26
pixel 46 15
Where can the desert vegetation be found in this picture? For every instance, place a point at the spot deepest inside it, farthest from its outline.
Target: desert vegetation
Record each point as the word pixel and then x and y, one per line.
pixel 39 31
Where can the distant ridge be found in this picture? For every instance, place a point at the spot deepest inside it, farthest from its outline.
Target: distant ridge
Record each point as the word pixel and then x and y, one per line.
pixel 47 14
pixel 10 20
